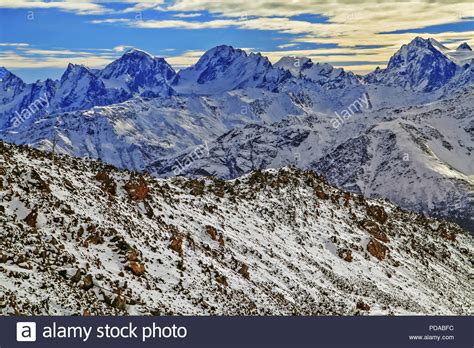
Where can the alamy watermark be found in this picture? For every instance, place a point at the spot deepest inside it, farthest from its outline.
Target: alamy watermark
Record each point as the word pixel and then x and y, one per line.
pixel 357 106
pixel 28 112
pixel 198 153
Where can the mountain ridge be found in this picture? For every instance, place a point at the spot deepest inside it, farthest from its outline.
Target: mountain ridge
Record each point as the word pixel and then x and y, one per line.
pixel 90 239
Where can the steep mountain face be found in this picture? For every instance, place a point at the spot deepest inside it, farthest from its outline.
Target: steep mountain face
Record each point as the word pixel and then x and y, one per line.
pixel 10 86
pixel 138 72
pixel 418 66
pixel 139 131
pixel 225 68
pixel 79 88
pixel 427 150
pixel 322 73
pixel 462 81
pixel 79 237
pixel 22 103
pixel 426 183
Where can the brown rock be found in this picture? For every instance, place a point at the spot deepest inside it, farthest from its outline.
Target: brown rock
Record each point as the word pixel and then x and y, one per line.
pixel 212 232
pixel 102 176
pixel 374 229
pixel 132 256
pixel 221 240
pixel 448 235
pixel 119 302
pixel 137 269
pixel 32 218
pixel 377 249
pixel 320 193
pixel 378 213
pixel 362 306
pixel 137 190
pixel 95 238
pixel 221 279
pixel 244 271
pixel 108 184
pixel 3 258
pixel 87 283
pixel 345 254
pixel 76 277
pixel 177 245
pixel 347 198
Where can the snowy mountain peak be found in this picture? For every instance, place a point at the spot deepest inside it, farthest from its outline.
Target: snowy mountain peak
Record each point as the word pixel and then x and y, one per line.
pixel 221 57
pixel 419 46
pixel 75 71
pixel 224 68
pixel 135 62
pixel 135 52
pixel 420 65
pixel 322 73
pixel 464 47
pixel 223 51
pixel 139 72
pixel 295 65
pixel 10 85
pixel 421 42
pixel 3 72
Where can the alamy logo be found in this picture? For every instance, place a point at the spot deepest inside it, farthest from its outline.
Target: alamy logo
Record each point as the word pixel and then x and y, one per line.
pixel 26 332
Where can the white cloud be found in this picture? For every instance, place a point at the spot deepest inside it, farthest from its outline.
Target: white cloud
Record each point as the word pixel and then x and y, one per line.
pixel 7 44
pixel 110 21
pixel 27 57
pixel 187 15
pixel 181 24
pixel 287 45
pixel 80 7
pixel 120 48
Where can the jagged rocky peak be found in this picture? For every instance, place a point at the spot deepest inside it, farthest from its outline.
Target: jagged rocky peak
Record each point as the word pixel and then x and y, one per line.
pixel 414 50
pixel 464 47
pixel 294 64
pixel 7 75
pixel 224 68
pixel 75 71
pixel 3 72
pixel 10 85
pixel 223 56
pixel 418 66
pixel 222 51
pixel 137 62
pixel 322 73
pixel 135 52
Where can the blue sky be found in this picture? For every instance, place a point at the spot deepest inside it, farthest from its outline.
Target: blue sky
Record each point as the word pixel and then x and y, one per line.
pixel 39 38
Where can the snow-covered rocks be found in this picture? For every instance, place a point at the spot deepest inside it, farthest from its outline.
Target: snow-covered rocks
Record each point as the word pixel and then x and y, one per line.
pixel 273 242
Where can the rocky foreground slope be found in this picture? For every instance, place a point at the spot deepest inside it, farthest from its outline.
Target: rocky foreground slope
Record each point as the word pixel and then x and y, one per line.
pixel 79 237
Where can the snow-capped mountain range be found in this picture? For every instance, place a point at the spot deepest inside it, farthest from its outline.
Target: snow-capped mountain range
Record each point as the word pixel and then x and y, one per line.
pixel 138 113
pixel 79 237
pixel 427 150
